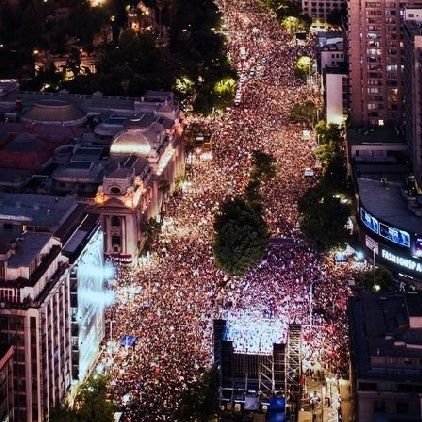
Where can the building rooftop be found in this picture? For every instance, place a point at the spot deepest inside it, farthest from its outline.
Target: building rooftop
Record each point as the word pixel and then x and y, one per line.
pixel 380 327
pixel 53 111
pixel 379 135
pixel 30 147
pixel 81 237
pixel 388 203
pixel 28 248
pixel 41 211
pixel 88 154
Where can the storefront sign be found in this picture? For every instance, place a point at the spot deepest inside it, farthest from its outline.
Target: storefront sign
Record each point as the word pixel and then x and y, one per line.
pixel 410 264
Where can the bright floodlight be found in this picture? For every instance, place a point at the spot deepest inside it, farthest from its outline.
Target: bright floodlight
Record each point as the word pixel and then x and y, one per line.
pixel 252 333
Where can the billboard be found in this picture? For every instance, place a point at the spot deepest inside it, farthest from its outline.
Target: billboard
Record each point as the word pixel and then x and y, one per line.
pixel 400 237
pixel 392 234
pixel 369 221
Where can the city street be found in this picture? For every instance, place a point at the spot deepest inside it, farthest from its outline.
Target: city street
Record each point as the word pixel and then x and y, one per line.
pixel 185 289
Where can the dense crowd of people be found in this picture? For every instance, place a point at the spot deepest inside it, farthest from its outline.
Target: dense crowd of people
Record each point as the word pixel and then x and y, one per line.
pixel 169 302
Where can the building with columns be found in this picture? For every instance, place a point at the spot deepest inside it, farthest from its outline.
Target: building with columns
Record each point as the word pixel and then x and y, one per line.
pixel 145 152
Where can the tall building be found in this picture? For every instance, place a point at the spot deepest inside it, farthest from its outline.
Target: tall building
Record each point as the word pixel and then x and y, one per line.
pixel 35 319
pixel 386 350
pixel 7 408
pixel 52 296
pixel 375 67
pixel 412 28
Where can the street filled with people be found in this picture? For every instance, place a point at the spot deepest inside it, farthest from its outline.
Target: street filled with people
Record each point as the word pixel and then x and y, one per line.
pixel 168 302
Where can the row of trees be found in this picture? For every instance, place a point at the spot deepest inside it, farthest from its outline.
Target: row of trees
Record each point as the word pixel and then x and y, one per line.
pixel 324 208
pixel 240 232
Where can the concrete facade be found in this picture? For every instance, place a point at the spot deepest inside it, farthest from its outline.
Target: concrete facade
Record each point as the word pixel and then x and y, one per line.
pixel 35 319
pixel 375 68
pixel 413 89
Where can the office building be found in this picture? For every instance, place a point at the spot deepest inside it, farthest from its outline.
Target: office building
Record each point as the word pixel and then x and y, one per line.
pixel 386 350
pixel 88 294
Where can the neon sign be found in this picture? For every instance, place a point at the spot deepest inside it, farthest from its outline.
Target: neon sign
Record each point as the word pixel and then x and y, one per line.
pixel 410 264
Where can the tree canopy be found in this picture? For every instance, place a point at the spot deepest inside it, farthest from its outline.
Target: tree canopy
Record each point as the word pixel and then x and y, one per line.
pixel 264 166
pixel 375 280
pixel 324 212
pixel 200 402
pixel 240 238
pixel 91 404
pixel 323 219
pixel 304 112
pixel 240 232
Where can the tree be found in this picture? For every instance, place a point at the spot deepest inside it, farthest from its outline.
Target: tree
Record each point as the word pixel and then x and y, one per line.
pixel 164 188
pixel 63 414
pixel 323 219
pixel 304 112
pixel 375 280
pixel 91 404
pixel 303 67
pixel 240 236
pixel 264 165
pixel 73 61
pixel 200 402
pixel 151 229
pixel 328 132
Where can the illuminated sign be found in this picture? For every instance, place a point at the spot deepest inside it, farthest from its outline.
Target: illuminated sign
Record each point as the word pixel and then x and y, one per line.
pixel 410 264
pixel 394 235
pixel 370 221
pixel 417 247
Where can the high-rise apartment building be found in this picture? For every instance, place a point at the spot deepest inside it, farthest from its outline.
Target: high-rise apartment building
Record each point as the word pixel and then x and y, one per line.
pixel 412 31
pixel 375 61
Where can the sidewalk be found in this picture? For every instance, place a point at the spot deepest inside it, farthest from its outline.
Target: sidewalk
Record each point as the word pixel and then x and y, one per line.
pixel 334 392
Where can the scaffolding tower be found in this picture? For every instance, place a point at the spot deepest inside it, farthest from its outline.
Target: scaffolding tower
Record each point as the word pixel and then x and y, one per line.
pixel 293 360
pixel 266 375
